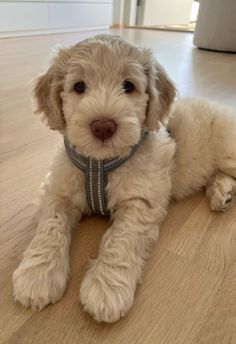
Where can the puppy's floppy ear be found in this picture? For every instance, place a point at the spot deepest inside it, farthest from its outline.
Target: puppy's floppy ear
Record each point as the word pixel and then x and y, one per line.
pixel 161 93
pixel 47 91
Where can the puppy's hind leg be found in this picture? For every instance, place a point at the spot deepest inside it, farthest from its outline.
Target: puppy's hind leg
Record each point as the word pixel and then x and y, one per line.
pixel 221 192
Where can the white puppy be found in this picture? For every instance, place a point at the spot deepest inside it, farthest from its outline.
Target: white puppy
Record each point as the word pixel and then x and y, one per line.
pixel 102 94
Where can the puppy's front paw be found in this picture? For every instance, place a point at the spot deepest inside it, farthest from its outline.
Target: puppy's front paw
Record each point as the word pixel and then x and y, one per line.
pixel 107 293
pixel 35 284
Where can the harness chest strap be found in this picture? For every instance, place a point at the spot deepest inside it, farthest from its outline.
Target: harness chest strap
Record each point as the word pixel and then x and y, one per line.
pixel 96 174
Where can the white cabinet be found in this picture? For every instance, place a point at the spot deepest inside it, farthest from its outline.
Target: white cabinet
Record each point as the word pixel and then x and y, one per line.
pixel 23 16
pixel 41 16
pixel 79 15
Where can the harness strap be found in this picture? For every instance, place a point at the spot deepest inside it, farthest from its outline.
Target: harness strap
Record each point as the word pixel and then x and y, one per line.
pixel 96 174
pixel 95 183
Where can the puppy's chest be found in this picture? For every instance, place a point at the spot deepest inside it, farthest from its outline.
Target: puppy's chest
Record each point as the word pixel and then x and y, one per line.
pixel 100 192
pixel 145 176
pixel 126 182
pixel 139 181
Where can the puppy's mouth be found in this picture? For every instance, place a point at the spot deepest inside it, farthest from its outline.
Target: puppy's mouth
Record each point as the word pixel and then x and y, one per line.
pixel 114 147
pixel 109 148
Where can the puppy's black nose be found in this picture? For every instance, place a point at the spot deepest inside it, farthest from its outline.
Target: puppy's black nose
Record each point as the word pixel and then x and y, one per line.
pixel 103 129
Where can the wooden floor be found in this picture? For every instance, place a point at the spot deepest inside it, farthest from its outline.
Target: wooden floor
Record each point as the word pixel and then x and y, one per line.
pixel 189 291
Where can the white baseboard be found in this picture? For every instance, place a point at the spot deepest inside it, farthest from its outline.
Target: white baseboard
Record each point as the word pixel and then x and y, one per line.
pixel 48 32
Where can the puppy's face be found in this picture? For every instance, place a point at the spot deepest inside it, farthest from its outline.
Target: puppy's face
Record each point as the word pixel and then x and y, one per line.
pixel 100 94
pixel 104 101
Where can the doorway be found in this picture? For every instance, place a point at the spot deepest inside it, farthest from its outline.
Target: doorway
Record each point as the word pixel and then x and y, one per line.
pixel 171 15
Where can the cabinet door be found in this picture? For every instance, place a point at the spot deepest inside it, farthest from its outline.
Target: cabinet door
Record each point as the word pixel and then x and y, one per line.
pixel 73 15
pixel 16 16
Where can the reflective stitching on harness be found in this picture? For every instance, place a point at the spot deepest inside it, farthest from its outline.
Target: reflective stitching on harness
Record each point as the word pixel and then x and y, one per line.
pixel 90 182
pixel 100 189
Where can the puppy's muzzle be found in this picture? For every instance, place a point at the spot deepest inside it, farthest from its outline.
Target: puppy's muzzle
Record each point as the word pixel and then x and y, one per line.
pixel 103 129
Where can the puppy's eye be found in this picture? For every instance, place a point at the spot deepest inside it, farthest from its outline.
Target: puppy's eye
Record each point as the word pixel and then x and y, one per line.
pixel 128 86
pixel 80 87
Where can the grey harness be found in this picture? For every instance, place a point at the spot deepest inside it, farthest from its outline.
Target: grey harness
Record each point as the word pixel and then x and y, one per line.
pixel 96 175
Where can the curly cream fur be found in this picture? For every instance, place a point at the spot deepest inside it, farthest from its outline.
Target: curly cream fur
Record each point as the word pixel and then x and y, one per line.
pixel 200 152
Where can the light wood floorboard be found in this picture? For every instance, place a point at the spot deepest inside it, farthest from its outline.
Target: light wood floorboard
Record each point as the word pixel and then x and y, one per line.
pixel 189 291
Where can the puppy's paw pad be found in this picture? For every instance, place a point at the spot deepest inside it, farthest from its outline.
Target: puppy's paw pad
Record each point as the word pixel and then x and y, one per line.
pixel 228 199
pixel 223 204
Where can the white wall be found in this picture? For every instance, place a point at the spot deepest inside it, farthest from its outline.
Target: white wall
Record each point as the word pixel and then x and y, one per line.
pixel 117 11
pixel 124 12
pixel 40 16
pixel 162 12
